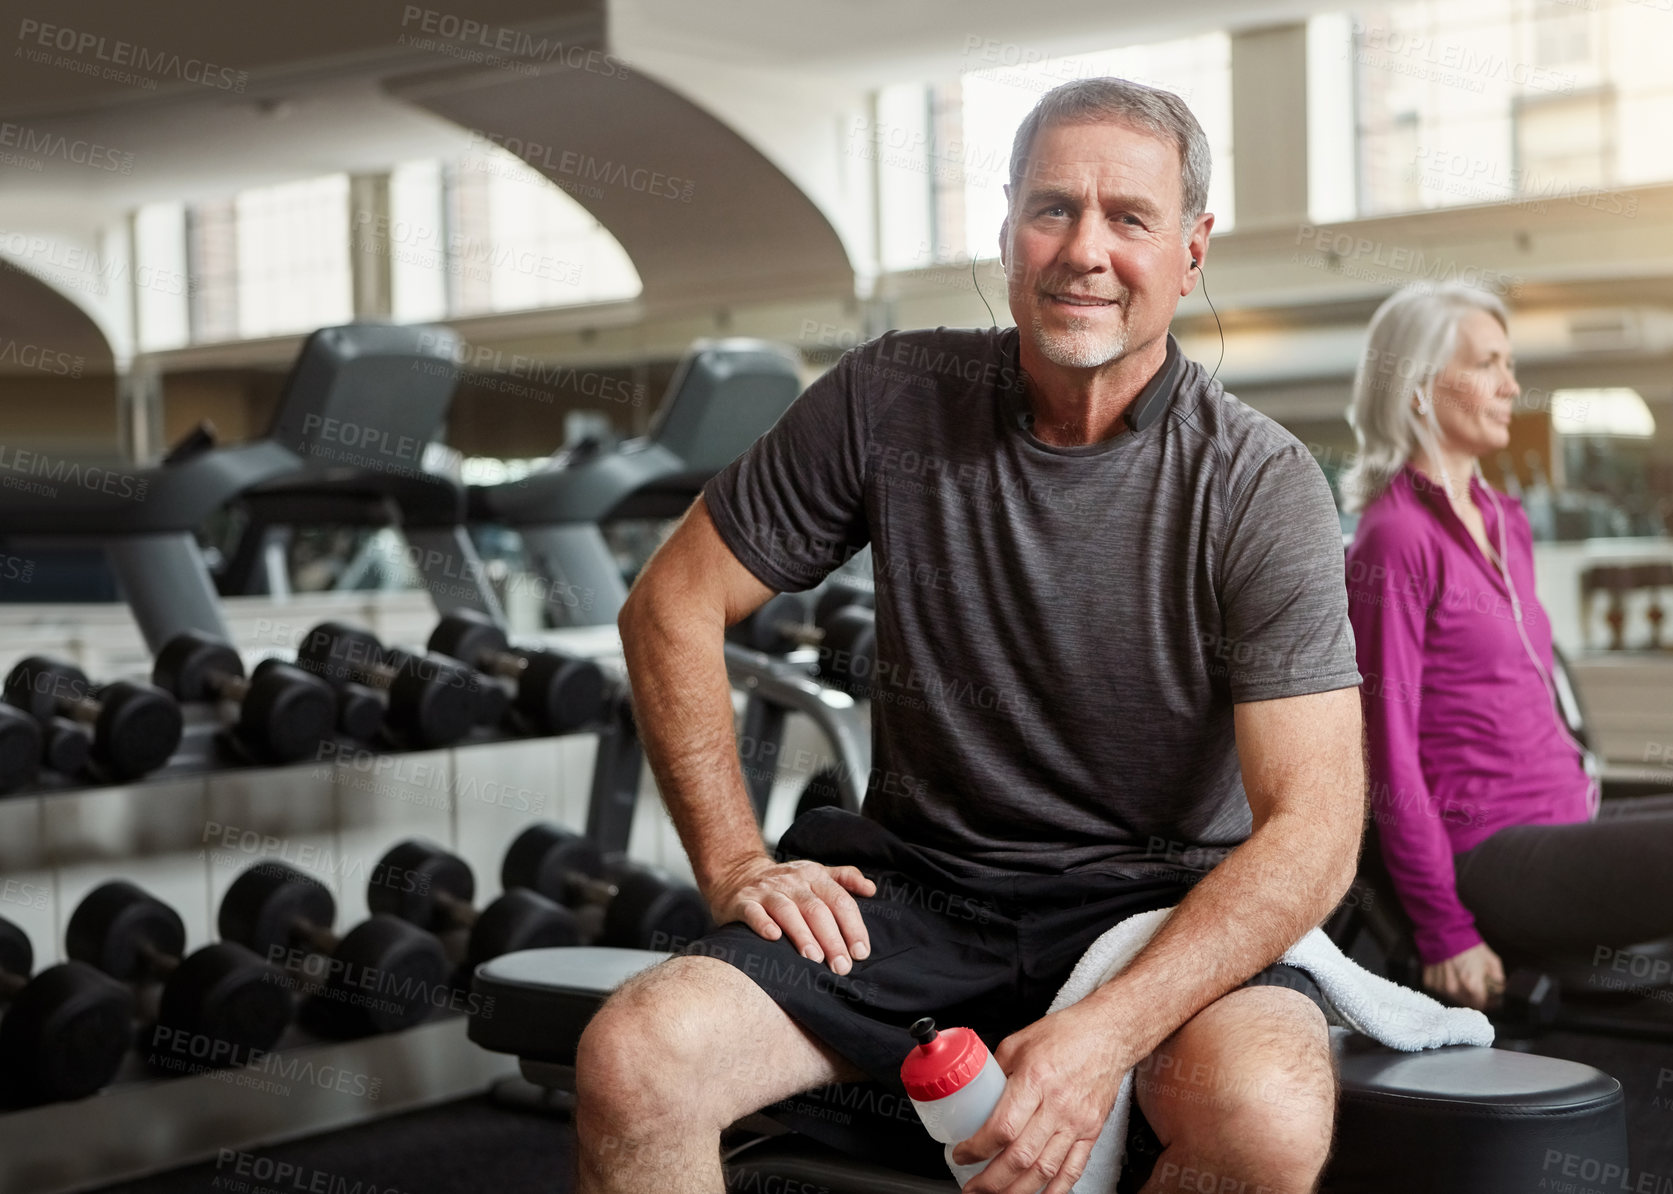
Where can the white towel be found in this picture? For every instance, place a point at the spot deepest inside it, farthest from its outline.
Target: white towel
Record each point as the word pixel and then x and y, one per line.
pixel 1355 998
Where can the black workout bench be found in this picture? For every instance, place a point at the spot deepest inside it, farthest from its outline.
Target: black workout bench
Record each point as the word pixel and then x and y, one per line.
pixel 1457 1120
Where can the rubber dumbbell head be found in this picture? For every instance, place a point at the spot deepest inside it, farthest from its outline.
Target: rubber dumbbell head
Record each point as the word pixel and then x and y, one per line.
pixel 287 713
pixel 20 749
pixel 194 666
pixel 219 1006
pixel 432 699
pixel 284 713
pixel 354 709
pixel 17 954
pixel 493 702
pixel 224 1001
pixel 549 859
pixel 38 685
pixel 848 652
pixel 555 693
pixel 136 727
pixel 359 712
pixel 407 968
pixel 652 910
pixel 468 637
pixel 840 593
pixel 126 932
pixel 65 1032
pixel 386 973
pixel 518 920
pixel 778 626
pixel 341 654
pixel 422 883
pixel 560 694
pixel 65 746
pixel 272 908
pixel 429 886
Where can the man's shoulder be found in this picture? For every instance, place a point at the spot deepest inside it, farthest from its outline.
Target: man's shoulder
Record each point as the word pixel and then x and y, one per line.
pixel 1236 438
pixel 926 358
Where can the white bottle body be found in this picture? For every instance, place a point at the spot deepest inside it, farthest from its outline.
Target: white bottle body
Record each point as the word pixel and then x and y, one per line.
pixel 957 1116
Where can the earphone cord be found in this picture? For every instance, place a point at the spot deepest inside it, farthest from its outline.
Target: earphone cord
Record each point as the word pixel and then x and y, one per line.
pixel 1594 796
pixel 979 293
pixel 1217 326
pixel 1428 434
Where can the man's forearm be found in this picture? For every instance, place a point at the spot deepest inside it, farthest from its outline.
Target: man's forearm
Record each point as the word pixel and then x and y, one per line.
pixel 683 707
pixel 1237 920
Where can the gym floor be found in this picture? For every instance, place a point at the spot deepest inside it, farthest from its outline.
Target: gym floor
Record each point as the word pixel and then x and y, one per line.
pixel 474 1145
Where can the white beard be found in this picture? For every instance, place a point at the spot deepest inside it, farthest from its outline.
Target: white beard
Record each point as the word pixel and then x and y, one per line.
pixel 1083 349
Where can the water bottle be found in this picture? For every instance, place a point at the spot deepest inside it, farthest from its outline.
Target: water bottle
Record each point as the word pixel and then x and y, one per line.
pixel 954 1084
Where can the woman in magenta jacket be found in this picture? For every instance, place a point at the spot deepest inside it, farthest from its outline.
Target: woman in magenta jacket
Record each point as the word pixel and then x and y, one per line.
pixel 1488 821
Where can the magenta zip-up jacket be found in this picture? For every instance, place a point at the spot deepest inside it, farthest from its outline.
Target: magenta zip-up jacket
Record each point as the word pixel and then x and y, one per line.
pixel 1464 737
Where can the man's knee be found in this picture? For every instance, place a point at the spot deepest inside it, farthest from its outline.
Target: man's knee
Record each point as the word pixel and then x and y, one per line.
pixel 1249 1101
pixel 657 1027
pixel 680 1042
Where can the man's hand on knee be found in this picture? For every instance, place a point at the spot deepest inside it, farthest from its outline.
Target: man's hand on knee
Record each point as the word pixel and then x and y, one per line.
pixel 1061 1078
pixel 804 900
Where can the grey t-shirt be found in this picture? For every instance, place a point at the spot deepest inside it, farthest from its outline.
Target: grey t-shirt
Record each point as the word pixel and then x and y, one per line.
pixel 1062 631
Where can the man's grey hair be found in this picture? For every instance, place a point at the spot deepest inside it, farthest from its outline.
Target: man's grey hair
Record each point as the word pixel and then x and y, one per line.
pixel 1411 339
pixel 1120 101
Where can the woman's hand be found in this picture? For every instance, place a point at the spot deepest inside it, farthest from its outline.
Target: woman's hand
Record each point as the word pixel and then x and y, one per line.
pixel 1474 978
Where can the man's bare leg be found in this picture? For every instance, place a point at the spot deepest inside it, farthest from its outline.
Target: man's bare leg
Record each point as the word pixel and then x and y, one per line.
pixel 672 1058
pixel 1243 1096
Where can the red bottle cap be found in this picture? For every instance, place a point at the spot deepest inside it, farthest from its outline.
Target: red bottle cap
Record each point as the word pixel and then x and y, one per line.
pixel 943 1062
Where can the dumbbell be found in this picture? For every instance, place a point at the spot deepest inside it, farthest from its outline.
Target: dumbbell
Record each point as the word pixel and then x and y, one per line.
pixel 848 650
pixel 430 700
pixel 840 592
pixel 843 627
pixel 555 693
pixel 65 1032
pixel 633 906
pixel 61 746
pixel 786 621
pixel 136 727
pixel 427 885
pixel 381 976
pixel 20 749
pixel 283 712
pixel 357 711
pixel 65 746
pixel 778 626
pixel 219 1006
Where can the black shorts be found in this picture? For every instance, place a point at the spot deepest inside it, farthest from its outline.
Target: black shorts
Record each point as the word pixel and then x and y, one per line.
pixel 988 955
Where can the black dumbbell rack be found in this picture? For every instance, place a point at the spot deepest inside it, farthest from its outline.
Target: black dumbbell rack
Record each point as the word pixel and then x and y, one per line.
pixel 145 1122
pixel 304 1087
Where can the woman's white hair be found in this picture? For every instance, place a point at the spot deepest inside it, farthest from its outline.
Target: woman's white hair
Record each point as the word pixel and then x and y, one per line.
pixel 1411 339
